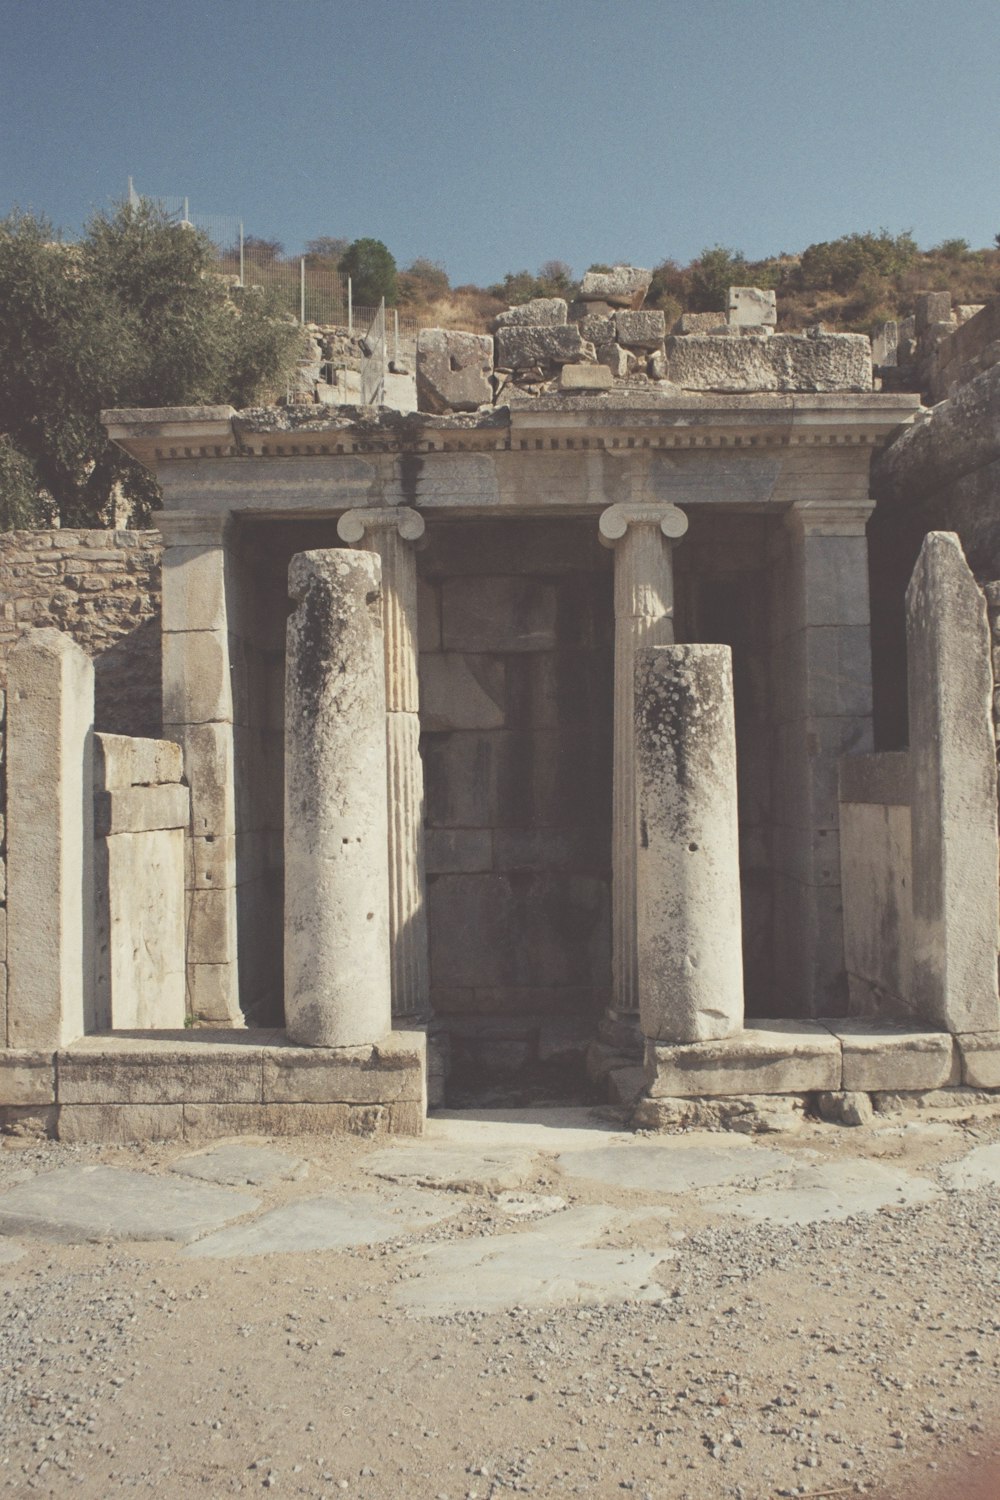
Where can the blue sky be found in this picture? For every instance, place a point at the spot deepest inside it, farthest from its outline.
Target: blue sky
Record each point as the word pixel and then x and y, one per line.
pixel 495 137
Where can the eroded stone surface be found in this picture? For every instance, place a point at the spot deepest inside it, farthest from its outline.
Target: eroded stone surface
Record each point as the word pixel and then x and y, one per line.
pixel 238 1164
pixel 674 1166
pixel 330 1221
pixel 488 1169
pixel 76 1204
pixel 829 1191
pixel 453 370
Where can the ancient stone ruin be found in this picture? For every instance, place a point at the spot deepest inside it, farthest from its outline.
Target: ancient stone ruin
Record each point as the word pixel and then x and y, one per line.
pixel 619 725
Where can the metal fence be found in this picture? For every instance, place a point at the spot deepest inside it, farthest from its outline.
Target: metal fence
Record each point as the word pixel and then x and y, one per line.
pixel 374 360
pixel 309 287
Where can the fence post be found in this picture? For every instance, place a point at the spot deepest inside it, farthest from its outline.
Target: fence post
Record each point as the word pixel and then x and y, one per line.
pixel 350 308
pixel 302 290
pixel 395 334
pixel 242 276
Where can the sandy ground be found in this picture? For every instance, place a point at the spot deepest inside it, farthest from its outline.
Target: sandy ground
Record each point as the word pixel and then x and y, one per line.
pixel 757 1358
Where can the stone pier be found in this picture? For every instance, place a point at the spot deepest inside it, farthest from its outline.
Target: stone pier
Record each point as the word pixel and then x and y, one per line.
pixel 391 533
pixel 689 932
pixel 337 972
pixel 642 538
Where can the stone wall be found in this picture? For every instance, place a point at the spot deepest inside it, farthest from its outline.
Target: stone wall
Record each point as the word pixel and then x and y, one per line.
pixel 102 588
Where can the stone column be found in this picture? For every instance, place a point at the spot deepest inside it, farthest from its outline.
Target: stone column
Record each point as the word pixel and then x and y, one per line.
pixel 198 713
pixel 50 836
pixel 953 811
pixel 391 533
pixel 642 537
pixel 821 642
pixel 337 974
pixel 689 930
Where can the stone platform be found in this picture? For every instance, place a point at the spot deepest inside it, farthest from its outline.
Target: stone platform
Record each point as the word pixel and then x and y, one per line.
pixel 201 1084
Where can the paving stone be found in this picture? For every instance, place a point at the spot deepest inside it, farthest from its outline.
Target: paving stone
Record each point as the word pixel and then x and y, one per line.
pixel 463 1168
pixel 10 1252
pixel 980 1168
pixel 547 1265
pixel 548 1130
pixel 877 1056
pixel 75 1204
pixel 238 1164
pixel 829 1191
pixel 327 1222
pixel 674 1166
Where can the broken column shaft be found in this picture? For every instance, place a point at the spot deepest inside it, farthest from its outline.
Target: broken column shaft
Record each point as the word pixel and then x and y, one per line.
pixel 337 990
pixel 690 938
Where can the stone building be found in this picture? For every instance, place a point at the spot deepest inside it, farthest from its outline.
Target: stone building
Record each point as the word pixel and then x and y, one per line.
pixel 526 737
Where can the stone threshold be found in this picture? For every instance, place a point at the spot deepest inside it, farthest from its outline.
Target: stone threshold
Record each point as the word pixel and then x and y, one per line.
pixel 831 1055
pixel 201 1084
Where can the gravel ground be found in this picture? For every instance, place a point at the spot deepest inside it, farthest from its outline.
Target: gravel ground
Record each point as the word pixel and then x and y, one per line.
pixel 823 1360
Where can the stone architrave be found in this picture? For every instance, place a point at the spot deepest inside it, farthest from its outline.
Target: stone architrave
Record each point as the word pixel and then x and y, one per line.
pixel 956 924
pixel 642 537
pixel 689 931
pixel 337 975
pixel 391 533
pixel 50 839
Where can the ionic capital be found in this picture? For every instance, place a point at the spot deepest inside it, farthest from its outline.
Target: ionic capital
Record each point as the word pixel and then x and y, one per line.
pixel 354 523
pixel 616 520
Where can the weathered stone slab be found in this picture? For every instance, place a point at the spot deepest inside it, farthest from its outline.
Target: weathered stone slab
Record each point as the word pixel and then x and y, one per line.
pixel 750 307
pixel 489 1169
pixel 203 1122
pixel 140 908
pixel 194 588
pixel 674 1166
pixel 540 312
pixel 453 370
pixel 197 682
pixel 978 1168
pixel 829 1192
pixel 622 286
pixel 956 911
pixel 770 1057
pixel 75 1204
pixel 327 1222
pixel 239 1165
pixel 782 362
pixel 877 1056
pixel 50 858
pixel 617 359
pixel 523 348
pixel 641 330
pixel 160 1073
pixel 123 761
pixel 118 1124
pixel 27 1077
pixel 460 690
pixel 689 930
pixel 141 809
pixel 980 1054
pixel 585 378
pixel 597 330
pixel 301 1075
pixel 700 322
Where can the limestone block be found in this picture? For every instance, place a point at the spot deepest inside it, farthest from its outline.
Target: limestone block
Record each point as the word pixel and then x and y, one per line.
pixel 123 761
pixel 453 850
pixel 597 330
pixel 117 1124
pixel 782 362
pixel 930 308
pixel 453 370
pixel 641 330
pixel 428 616
pixel 585 378
pixel 770 1057
pixel 622 286
pixel 141 809
pixel 184 1071
pixel 876 881
pixel 980 1054
pixel 617 359
pixel 210 863
pixel 879 1056
pixel 209 769
pixel 210 1121
pixel 540 312
pixel 337 966
pixel 197 688
pixel 212 993
pixel 26 1078
pixel 689 930
pixel 211 934
pixel 140 948
pixel 50 858
pixel 700 322
pixel 194 589
pixel 461 691
pixel 303 1075
pixel 956 914
pixel 750 307
pixel 524 348
pixel 500 614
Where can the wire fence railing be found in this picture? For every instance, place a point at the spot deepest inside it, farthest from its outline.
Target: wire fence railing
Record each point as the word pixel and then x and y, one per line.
pixel 374 360
pixel 311 288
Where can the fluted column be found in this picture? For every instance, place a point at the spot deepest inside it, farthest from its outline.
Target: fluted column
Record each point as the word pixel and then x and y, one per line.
pixel 391 533
pixel 642 538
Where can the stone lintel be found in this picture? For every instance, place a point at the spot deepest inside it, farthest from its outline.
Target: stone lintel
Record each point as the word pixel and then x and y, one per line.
pixel 770 1057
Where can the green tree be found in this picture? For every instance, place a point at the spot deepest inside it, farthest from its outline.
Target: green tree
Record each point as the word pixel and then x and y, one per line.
pixel 133 315
pixel 711 276
pixel 372 269
pixel 327 247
